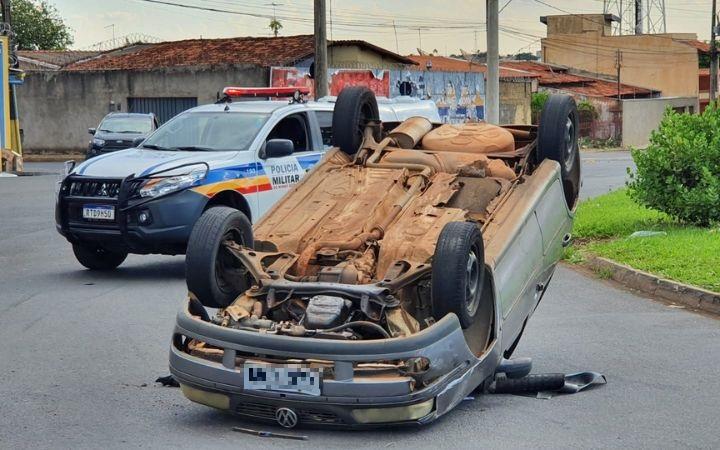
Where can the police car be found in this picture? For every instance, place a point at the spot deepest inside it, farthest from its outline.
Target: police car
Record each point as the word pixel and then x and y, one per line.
pixel 231 160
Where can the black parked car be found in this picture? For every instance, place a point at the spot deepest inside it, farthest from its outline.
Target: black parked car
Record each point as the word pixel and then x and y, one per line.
pixel 119 131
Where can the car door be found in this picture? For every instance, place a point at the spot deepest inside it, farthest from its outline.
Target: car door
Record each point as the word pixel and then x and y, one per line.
pixel 285 172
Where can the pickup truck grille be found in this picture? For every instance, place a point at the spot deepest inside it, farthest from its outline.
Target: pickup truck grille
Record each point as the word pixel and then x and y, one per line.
pixel 114 144
pixel 94 188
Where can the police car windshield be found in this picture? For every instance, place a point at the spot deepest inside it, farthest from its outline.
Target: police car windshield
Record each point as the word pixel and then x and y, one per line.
pixel 208 131
pixel 126 124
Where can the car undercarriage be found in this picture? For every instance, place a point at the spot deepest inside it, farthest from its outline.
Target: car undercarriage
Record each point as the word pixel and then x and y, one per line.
pixel 381 276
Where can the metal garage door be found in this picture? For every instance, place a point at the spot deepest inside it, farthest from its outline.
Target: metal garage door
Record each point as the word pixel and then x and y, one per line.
pixel 165 108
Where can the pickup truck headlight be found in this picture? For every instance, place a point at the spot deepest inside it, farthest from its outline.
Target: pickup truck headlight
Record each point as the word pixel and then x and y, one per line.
pixel 98 142
pixel 161 186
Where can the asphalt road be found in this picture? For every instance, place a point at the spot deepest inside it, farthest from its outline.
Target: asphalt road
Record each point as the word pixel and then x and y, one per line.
pixel 604 172
pixel 80 351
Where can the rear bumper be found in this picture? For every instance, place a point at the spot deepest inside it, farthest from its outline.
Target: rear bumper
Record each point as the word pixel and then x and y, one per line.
pixel 345 400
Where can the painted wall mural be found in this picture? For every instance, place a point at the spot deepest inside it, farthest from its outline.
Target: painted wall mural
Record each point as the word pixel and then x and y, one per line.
pixel 377 80
pixel 458 95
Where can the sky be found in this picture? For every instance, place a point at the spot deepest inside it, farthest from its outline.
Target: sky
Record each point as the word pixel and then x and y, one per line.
pixel 442 25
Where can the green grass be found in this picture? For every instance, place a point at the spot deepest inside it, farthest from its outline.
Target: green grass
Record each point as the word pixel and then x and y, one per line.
pixel 616 215
pixel 687 254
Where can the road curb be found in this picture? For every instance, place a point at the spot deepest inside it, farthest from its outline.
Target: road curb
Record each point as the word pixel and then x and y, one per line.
pixel 655 286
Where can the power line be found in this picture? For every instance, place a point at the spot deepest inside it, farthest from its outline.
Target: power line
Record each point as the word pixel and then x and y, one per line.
pixel 430 25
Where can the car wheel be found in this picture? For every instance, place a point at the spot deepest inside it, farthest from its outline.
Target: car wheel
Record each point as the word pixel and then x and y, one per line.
pixel 458 272
pixel 355 107
pixel 558 136
pixel 97 258
pixel 212 273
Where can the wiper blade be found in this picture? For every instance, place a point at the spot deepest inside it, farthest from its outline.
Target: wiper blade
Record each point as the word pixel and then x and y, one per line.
pixel 155 147
pixel 130 132
pixel 195 148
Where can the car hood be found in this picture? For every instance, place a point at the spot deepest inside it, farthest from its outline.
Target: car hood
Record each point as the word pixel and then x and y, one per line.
pixel 142 162
pixel 118 136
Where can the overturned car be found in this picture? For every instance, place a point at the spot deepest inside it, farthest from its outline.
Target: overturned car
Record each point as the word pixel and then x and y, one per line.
pixel 393 280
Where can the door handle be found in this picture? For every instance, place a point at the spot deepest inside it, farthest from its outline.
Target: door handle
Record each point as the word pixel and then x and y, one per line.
pixel 567 240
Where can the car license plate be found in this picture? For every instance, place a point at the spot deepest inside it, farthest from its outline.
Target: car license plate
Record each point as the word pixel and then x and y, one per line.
pixel 98 212
pixel 286 378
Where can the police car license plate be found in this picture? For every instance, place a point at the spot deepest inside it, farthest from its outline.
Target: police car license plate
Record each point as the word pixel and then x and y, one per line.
pixel 98 212
pixel 286 378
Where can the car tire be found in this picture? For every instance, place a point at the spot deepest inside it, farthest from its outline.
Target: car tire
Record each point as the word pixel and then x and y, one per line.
pixel 98 258
pixel 213 275
pixel 458 272
pixel 354 108
pixel 558 136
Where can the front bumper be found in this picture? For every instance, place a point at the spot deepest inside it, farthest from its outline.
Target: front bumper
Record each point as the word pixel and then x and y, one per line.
pixel 172 219
pixel 345 400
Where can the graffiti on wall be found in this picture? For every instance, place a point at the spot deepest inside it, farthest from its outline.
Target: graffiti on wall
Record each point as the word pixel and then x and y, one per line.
pixel 458 95
pixel 377 80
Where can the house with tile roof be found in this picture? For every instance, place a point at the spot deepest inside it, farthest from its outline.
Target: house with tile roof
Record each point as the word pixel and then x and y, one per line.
pixel 68 92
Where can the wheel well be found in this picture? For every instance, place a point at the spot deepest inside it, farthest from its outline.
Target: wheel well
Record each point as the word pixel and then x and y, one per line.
pixel 231 199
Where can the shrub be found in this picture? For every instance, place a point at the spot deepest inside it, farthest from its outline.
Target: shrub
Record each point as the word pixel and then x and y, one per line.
pixel 537 103
pixel 588 108
pixel 679 173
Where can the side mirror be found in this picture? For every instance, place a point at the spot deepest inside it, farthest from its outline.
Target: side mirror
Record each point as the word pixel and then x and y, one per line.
pixel 277 148
pixel 92 131
pixel 137 141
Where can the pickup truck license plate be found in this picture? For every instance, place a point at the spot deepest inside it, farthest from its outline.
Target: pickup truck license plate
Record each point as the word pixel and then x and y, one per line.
pixel 98 212
pixel 286 378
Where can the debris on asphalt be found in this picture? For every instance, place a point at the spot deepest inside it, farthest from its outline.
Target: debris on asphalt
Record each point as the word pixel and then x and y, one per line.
pixel 270 434
pixel 644 234
pixel 168 381
pixel 544 386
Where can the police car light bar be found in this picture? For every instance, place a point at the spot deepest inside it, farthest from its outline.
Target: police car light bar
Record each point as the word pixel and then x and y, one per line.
pixel 265 92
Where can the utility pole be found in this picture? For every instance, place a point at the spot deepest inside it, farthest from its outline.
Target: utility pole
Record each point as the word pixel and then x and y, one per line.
pixel 6 11
pixel 492 90
pixel 321 65
pixel 618 66
pixel 713 54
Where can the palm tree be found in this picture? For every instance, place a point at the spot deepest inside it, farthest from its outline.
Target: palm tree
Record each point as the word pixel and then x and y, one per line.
pixel 275 26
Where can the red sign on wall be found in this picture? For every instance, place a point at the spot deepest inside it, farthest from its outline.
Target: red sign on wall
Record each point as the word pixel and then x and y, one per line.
pixel 339 79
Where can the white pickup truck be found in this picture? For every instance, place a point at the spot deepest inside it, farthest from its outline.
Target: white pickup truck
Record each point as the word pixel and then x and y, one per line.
pixel 239 154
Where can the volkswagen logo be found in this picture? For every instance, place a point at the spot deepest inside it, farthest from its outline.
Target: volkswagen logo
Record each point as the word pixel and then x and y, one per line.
pixel 286 417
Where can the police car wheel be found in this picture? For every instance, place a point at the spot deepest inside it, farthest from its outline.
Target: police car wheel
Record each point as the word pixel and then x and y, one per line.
pixel 355 107
pixel 98 258
pixel 212 273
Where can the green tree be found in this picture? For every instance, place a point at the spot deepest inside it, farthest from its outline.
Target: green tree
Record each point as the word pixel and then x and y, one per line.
pixel 275 26
pixel 38 26
pixel 526 56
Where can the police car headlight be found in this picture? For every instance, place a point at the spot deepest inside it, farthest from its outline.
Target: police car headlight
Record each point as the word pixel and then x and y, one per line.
pixel 98 142
pixel 161 186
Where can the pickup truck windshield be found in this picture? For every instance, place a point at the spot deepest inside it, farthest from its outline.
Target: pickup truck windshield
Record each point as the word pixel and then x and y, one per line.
pixel 135 125
pixel 208 131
